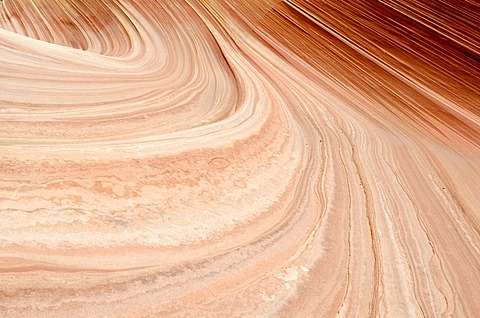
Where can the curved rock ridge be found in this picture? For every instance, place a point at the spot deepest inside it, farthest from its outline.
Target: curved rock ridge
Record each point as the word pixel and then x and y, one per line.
pixel 231 158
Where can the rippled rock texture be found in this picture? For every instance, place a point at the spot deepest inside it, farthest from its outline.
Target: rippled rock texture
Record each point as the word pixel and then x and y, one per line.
pixel 214 158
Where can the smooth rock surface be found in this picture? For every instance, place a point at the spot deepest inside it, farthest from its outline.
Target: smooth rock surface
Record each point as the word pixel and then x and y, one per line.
pixel 265 158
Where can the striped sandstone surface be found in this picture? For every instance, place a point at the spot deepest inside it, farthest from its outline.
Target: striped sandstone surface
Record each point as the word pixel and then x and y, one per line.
pixel 214 158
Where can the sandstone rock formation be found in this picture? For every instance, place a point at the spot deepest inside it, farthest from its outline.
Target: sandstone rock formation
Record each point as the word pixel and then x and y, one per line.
pixel 228 158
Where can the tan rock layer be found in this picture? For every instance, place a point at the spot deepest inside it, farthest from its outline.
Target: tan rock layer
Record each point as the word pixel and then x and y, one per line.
pixel 239 158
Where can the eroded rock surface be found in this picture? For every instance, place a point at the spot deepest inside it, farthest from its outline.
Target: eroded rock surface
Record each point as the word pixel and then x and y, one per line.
pixel 239 158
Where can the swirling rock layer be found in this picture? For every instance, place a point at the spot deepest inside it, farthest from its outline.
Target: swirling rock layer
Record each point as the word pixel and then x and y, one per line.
pixel 231 158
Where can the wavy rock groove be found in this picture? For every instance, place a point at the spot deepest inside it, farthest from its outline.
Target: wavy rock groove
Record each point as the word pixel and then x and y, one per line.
pixel 230 158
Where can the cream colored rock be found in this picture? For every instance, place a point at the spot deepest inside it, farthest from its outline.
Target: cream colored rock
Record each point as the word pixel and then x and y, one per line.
pixel 267 158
